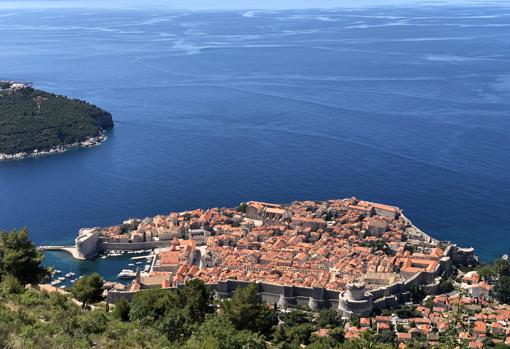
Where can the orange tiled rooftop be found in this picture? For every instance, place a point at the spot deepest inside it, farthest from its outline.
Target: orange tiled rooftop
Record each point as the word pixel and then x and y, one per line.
pixel 307 243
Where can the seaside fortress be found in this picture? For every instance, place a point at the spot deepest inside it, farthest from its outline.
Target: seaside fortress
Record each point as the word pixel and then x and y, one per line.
pixel 86 242
pixel 355 256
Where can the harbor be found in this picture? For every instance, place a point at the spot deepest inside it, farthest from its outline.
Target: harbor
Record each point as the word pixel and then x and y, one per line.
pixel 110 265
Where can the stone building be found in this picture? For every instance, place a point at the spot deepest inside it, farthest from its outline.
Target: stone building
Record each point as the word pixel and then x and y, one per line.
pixel 87 242
pixel 355 300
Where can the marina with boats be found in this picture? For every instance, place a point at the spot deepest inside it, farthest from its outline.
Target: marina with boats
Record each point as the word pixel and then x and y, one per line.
pixel 131 262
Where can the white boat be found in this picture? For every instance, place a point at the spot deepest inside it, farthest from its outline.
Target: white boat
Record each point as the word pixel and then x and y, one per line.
pixel 70 275
pixel 126 274
pixel 62 278
pixel 131 265
pixel 56 271
pixel 55 282
pixel 138 262
pixel 103 257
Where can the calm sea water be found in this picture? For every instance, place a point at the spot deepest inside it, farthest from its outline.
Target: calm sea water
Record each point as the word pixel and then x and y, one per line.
pixel 408 106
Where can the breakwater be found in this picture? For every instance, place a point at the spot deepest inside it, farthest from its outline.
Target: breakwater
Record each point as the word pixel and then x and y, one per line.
pixel 72 250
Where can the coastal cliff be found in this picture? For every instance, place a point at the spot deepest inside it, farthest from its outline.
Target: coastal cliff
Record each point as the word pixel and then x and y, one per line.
pixel 35 122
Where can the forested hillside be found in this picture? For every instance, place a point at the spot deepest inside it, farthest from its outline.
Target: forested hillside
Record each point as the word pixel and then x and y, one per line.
pixel 32 119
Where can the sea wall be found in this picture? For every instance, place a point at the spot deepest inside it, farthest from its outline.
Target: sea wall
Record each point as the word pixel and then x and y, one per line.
pixel 461 256
pixel 89 244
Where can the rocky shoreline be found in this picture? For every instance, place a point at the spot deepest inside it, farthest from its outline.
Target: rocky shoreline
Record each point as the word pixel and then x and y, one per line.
pixel 36 123
pixel 89 142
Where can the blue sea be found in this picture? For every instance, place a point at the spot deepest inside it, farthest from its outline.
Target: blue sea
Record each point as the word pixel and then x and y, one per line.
pixel 405 105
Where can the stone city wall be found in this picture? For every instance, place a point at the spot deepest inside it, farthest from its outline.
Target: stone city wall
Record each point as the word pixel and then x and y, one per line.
pixel 114 296
pixel 316 298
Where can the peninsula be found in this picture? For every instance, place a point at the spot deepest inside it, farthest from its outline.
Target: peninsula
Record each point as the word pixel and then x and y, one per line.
pixel 349 254
pixel 35 122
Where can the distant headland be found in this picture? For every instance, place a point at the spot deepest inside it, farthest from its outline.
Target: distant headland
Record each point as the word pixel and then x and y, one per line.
pixel 35 122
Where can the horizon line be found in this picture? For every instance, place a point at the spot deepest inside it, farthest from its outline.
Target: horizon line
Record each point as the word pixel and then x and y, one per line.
pixel 232 5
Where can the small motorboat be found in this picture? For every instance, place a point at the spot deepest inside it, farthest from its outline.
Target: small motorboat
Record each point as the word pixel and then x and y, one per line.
pixel 126 274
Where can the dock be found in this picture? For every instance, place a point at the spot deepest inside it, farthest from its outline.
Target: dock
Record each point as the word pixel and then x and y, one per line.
pixel 72 250
pixel 140 257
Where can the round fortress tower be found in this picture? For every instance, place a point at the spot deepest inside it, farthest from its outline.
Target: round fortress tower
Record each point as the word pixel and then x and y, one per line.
pixel 355 292
pixel 355 301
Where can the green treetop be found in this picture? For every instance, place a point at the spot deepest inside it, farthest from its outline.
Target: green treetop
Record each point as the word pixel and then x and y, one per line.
pixel 246 313
pixel 19 257
pixel 88 289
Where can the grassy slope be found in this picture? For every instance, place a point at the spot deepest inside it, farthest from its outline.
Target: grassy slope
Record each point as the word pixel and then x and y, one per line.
pixel 59 121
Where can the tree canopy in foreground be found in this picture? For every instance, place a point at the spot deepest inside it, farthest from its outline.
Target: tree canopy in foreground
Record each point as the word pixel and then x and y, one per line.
pixel 19 258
